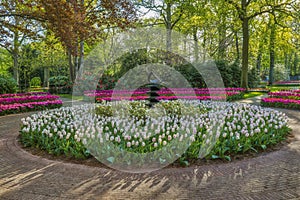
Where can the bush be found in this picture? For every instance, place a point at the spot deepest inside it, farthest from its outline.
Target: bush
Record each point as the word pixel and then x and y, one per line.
pixel 60 85
pixel 58 80
pixel 35 82
pixel 7 85
pixel 230 73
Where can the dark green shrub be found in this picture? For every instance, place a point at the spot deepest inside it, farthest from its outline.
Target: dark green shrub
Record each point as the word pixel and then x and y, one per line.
pixel 231 74
pixel 35 82
pixel 7 85
pixel 60 85
pixel 58 80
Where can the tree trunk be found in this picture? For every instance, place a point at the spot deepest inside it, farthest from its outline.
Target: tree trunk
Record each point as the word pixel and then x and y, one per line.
pixel 286 65
pixel 258 61
pixel 75 66
pixel 81 55
pixel 272 54
pixel 71 66
pixel 196 45
pixel 46 77
pixel 15 55
pixel 16 66
pixel 169 28
pixel 296 61
pixel 237 47
pixel 75 61
pixel 204 45
pixel 222 43
pixel 81 48
pixel 244 78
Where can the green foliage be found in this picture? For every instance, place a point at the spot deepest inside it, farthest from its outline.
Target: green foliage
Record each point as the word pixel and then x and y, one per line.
pixel 5 62
pixel 60 85
pixel 278 88
pixel 133 59
pixel 253 78
pixel 137 109
pixel 106 82
pixel 7 85
pixel 191 74
pixel 104 110
pixel 231 74
pixel 35 82
pixel 172 108
pixel 58 80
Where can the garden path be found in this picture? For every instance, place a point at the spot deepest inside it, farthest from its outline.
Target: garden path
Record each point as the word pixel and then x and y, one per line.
pixel 254 100
pixel 274 175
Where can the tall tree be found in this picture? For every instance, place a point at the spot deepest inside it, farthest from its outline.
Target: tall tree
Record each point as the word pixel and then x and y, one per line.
pixel 247 10
pixel 75 21
pixel 170 11
pixel 15 27
pixel 51 57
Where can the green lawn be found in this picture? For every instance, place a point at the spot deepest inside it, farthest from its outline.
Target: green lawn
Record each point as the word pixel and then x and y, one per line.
pixel 70 96
pixel 253 94
pixel 279 88
pixel 38 89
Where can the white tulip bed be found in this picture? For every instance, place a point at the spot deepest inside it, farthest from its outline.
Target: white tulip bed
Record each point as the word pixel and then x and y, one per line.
pixel 202 129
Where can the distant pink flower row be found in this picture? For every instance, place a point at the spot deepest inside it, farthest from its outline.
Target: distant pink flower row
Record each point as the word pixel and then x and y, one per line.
pixel 280 100
pixel 24 94
pixel 287 82
pixel 177 91
pixel 30 105
pixel 25 99
pixel 284 93
pixel 162 98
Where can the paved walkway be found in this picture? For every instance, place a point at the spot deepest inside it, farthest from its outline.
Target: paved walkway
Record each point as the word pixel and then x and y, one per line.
pixel 275 175
pixel 71 102
pixel 254 100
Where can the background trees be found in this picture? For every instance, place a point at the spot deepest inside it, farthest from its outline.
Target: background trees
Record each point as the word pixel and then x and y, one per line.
pixel 49 37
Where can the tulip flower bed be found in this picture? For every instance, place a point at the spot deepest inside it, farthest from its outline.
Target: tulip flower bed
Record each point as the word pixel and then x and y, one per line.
pixel 229 94
pixel 23 102
pixel 287 83
pixel 207 129
pixel 289 94
pixel 23 94
pixel 283 99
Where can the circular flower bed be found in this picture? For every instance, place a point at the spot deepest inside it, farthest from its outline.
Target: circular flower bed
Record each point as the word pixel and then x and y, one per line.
pixel 206 129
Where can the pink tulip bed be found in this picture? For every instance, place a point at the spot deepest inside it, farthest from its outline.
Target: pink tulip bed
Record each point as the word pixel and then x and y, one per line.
pixel 31 101
pixel 283 99
pixel 287 83
pixel 225 94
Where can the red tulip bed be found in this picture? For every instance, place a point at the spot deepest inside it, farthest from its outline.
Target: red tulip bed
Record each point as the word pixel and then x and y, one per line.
pixel 228 94
pixel 23 102
pixel 283 99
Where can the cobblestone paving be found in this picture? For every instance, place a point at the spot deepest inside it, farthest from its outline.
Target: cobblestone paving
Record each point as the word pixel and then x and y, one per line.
pixel 275 175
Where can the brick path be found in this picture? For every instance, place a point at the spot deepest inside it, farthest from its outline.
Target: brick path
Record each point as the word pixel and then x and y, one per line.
pixel 274 175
